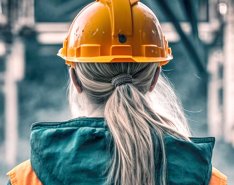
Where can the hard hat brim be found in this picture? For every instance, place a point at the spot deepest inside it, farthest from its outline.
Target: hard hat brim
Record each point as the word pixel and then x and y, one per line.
pixel 117 59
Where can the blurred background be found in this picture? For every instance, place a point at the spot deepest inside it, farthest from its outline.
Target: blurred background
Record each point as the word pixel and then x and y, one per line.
pixel 33 80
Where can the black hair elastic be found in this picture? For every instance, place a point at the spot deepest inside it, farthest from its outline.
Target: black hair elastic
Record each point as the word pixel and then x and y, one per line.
pixel 121 79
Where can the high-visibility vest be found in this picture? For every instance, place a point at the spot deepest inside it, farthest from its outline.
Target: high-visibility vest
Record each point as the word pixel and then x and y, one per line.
pixel 217 178
pixel 23 174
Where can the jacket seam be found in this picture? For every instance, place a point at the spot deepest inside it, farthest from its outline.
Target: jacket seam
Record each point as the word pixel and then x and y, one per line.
pixel 72 121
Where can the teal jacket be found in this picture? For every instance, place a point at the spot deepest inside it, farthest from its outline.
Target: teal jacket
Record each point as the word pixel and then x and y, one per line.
pixel 76 152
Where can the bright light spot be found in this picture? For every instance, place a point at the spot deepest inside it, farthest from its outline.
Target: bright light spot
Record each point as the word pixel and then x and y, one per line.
pixel 223 8
pixel 2 48
pixel 51 38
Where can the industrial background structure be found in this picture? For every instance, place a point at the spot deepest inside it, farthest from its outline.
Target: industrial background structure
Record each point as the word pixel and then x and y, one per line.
pixel 33 87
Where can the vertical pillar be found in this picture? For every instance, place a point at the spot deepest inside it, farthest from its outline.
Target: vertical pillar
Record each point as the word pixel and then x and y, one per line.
pixel 229 77
pixel 14 73
pixel 215 111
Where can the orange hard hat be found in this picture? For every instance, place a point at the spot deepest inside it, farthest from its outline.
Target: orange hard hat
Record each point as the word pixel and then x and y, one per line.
pixel 108 31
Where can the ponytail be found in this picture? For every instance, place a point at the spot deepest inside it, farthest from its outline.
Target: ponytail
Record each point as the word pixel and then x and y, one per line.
pixel 128 121
pixel 137 130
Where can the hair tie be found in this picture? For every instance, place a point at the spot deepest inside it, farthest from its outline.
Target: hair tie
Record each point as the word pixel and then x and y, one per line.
pixel 121 79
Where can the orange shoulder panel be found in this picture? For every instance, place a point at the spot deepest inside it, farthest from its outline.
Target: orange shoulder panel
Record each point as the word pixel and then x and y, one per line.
pixel 23 174
pixel 217 178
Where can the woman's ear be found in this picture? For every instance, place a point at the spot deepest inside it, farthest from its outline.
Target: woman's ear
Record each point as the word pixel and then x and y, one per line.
pixel 75 80
pixel 155 79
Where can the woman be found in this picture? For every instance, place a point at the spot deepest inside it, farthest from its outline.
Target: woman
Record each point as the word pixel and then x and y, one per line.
pixel 129 131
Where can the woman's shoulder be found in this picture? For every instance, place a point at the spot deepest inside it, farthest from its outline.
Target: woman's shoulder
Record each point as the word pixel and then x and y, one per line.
pixel 217 178
pixel 191 159
pixel 23 174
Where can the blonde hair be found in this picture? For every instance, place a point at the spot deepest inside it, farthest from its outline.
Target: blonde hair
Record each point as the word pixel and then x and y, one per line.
pixel 136 118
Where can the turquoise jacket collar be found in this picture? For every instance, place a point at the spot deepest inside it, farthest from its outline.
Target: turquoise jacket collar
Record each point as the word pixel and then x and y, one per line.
pixel 76 152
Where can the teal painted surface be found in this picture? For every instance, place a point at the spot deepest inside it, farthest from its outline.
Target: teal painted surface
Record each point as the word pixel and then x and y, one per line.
pixel 65 11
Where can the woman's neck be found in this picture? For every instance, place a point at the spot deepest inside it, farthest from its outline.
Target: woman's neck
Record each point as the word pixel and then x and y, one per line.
pixel 84 108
